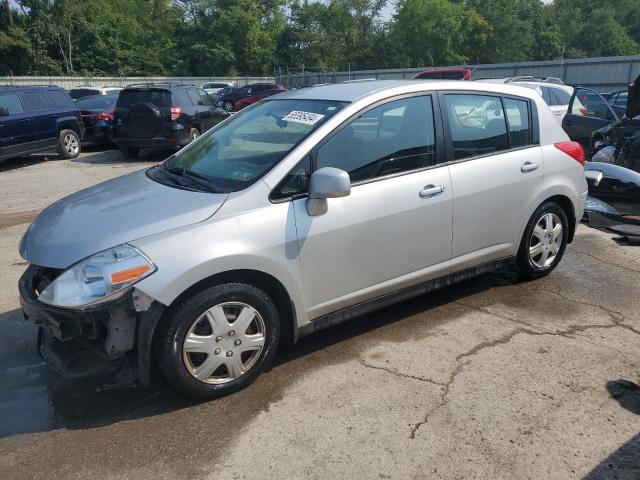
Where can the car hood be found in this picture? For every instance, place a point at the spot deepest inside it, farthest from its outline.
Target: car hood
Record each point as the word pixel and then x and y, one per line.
pixel 111 213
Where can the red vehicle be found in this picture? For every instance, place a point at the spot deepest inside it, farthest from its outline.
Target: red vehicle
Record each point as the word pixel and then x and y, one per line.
pixel 257 96
pixel 445 74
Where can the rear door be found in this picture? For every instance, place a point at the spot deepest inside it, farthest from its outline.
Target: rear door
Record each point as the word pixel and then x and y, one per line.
pixel 16 126
pixel 496 173
pixel 588 111
pixel 44 120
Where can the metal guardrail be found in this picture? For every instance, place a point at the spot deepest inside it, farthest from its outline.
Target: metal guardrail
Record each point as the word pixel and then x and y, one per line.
pixel 600 73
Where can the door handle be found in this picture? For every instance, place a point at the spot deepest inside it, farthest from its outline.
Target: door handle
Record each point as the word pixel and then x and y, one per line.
pixel 431 191
pixel 25 120
pixel 529 167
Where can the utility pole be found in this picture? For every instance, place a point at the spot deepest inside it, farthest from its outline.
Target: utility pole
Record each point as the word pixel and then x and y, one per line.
pixel 9 12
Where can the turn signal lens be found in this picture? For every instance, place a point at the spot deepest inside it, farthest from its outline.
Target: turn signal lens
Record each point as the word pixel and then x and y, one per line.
pixel 573 149
pixel 130 274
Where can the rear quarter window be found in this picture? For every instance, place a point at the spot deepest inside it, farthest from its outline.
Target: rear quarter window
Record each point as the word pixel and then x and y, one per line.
pixel 34 101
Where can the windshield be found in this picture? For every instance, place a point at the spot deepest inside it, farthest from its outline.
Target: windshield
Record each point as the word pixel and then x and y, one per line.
pixel 241 150
pixel 97 102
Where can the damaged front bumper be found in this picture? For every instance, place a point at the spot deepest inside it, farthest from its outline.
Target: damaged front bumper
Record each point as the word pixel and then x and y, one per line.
pixel 108 339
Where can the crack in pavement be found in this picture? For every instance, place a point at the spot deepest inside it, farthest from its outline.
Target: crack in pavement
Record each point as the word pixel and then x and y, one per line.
pixel 604 261
pixel 566 333
pixel 400 374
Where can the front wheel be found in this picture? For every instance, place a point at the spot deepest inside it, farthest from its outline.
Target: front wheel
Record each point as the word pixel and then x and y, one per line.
pixel 544 241
pixel 68 144
pixel 219 340
pixel 229 106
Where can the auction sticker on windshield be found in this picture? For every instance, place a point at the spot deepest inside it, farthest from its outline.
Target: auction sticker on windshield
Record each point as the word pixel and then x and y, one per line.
pixel 308 118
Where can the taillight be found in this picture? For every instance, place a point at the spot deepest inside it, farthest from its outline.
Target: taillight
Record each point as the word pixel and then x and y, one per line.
pixel 104 116
pixel 573 149
pixel 176 111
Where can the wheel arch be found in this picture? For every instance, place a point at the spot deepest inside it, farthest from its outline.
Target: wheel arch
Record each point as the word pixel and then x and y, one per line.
pixel 264 281
pixel 69 123
pixel 567 205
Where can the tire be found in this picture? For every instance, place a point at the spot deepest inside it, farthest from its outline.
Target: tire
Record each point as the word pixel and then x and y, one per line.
pixel 195 133
pixel 69 145
pixel 229 106
pixel 543 245
pixel 129 152
pixel 219 361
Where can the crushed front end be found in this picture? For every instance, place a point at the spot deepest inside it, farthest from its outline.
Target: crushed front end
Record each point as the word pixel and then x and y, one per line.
pixel 110 340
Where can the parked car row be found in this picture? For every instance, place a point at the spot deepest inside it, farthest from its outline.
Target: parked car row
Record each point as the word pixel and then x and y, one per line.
pixel 149 115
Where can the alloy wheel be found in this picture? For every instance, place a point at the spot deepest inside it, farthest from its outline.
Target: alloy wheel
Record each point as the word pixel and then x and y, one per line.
pixel 546 241
pixel 71 144
pixel 224 342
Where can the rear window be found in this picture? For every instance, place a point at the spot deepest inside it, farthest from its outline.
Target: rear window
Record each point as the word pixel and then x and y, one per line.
pixel 97 102
pixel 59 99
pixel 159 97
pixel 76 93
pixel 563 96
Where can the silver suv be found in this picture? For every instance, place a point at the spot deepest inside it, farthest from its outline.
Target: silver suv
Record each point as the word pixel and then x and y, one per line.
pixel 305 210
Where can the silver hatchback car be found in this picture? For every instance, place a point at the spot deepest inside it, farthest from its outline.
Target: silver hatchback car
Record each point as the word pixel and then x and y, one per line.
pixel 302 211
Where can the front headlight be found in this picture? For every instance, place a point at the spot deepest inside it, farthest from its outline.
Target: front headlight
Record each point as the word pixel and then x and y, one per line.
pixel 98 277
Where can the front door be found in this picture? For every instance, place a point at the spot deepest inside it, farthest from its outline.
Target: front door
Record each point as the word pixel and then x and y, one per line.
pixel 496 174
pixel 588 112
pixel 394 229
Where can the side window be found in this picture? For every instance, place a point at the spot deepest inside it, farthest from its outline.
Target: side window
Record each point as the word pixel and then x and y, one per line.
pixel 204 98
pixel 477 125
pixel 181 97
pixel 59 99
pixel 33 101
pixel 590 104
pixel 395 137
pixel 563 97
pixel 10 105
pixel 193 95
pixel 621 99
pixel 518 120
pixel 295 182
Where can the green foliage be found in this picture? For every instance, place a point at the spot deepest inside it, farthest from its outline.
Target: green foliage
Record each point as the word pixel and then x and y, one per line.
pixel 255 37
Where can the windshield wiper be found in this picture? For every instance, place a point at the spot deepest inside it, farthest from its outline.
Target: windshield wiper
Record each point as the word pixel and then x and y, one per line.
pixel 194 177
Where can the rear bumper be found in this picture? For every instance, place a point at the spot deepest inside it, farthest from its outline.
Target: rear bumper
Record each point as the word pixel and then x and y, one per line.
pixel 177 136
pixel 104 339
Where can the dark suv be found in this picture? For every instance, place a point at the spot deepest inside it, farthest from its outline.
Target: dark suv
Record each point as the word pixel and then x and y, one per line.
pixel 161 115
pixel 37 118
pixel 229 101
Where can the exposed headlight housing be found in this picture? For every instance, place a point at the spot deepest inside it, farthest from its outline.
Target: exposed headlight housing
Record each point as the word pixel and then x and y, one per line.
pixel 102 276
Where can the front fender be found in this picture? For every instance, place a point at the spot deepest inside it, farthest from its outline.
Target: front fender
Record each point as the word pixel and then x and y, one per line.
pixel 262 240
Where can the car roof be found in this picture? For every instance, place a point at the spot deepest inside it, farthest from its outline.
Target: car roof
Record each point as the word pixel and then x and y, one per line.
pixel 19 88
pixel 349 92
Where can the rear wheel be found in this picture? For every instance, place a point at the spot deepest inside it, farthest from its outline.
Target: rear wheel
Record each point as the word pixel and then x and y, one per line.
pixel 195 133
pixel 129 152
pixel 544 241
pixel 219 340
pixel 68 144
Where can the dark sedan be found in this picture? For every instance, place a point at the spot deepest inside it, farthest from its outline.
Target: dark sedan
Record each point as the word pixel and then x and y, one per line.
pixel 97 113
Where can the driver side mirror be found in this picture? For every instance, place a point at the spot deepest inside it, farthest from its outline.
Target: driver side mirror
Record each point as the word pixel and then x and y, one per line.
pixel 326 182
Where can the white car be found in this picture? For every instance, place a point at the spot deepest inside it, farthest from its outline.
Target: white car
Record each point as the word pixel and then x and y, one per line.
pixel 555 94
pixel 215 87
pixel 87 91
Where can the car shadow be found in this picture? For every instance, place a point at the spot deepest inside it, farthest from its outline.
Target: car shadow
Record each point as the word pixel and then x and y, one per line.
pixel 624 463
pixel 37 400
